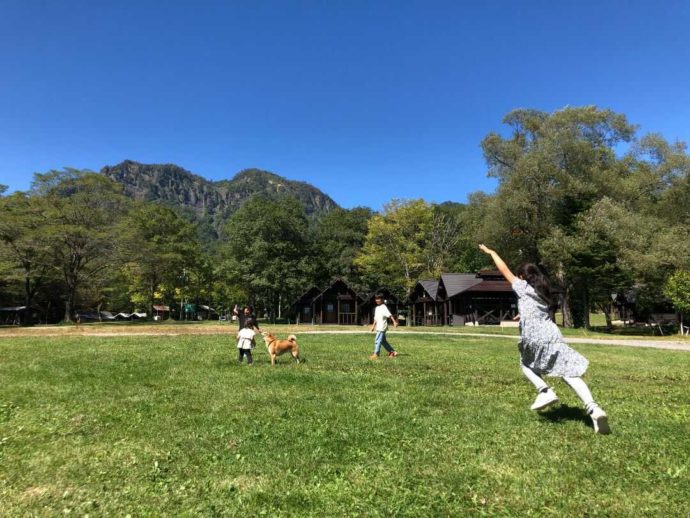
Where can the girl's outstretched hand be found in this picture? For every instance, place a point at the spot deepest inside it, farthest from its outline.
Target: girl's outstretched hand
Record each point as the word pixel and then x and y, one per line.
pixel 485 249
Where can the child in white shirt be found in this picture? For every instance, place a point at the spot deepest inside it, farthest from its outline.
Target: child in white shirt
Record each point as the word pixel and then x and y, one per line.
pixel 380 325
pixel 245 341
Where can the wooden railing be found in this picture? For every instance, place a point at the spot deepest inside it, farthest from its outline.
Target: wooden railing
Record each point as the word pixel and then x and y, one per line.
pixel 347 319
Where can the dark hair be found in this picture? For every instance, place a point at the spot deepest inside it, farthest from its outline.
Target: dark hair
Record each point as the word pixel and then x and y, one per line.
pixel 379 295
pixel 250 323
pixel 536 278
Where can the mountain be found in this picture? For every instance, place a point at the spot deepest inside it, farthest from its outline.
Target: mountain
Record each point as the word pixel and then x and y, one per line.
pixel 211 202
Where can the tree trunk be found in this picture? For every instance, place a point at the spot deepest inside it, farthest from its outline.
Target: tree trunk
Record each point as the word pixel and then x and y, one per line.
pixel 152 298
pixel 69 303
pixel 606 308
pixel 567 314
pixel 680 319
pixel 71 282
pixel 585 307
pixel 28 302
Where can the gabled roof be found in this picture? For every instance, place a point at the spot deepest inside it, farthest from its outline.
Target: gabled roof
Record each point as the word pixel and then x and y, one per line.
pixel 308 296
pixel 458 282
pixel 430 286
pixel 332 285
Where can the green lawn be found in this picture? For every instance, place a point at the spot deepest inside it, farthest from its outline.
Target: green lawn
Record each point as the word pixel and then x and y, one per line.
pixel 145 425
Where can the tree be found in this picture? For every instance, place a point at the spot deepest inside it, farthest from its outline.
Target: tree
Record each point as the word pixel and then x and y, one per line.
pixel 25 247
pixel 338 238
pixel 456 225
pixel 406 242
pixel 81 210
pixel 265 251
pixel 553 167
pixel 677 288
pixel 589 254
pixel 156 245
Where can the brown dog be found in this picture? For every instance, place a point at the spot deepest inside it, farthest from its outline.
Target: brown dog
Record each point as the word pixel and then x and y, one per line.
pixel 277 347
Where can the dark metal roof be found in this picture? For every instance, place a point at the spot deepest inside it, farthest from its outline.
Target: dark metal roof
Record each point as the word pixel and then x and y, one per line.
pixel 431 287
pixel 458 282
pixel 492 286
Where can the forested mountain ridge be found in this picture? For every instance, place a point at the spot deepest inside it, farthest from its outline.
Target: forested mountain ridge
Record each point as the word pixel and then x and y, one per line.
pixel 213 202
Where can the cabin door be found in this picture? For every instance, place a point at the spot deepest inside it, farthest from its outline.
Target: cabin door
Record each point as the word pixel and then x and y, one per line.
pixel 330 313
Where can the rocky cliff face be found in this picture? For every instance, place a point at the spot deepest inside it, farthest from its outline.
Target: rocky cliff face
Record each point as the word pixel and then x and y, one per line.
pixel 213 202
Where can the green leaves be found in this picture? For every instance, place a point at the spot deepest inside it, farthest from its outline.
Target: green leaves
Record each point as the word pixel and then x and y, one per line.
pixel 677 288
pixel 600 221
pixel 265 250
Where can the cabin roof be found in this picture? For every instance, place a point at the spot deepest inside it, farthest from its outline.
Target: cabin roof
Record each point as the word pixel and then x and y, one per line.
pixel 430 286
pixel 456 283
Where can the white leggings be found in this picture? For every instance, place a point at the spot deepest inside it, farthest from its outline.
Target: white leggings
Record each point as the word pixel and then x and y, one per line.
pixel 577 384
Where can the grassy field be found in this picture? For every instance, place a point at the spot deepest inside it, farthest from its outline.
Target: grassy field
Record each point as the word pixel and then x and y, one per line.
pixel 172 425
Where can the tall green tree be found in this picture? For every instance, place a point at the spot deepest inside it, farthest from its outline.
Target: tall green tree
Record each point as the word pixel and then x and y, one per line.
pixel 590 256
pixel 266 251
pixel 81 211
pixel 156 246
pixel 677 289
pixel 551 168
pixel 25 247
pixel 459 224
pixel 406 242
pixel 338 238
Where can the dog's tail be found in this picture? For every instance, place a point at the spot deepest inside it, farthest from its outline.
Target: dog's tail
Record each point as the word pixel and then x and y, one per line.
pixel 292 338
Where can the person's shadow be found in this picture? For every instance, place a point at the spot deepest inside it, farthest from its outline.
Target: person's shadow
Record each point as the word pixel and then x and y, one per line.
pixel 562 413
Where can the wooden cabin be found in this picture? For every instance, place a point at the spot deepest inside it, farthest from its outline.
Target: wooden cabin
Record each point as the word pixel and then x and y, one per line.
pixel 302 307
pixel 478 298
pixel 338 304
pixel 425 309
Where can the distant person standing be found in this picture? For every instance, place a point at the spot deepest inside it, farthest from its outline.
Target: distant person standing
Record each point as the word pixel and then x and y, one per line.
pixel 380 325
pixel 246 313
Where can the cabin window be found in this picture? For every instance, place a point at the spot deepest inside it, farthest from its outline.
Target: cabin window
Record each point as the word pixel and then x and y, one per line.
pixel 329 308
pixel 345 307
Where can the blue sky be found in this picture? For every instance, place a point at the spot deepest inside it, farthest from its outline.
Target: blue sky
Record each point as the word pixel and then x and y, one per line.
pixel 368 101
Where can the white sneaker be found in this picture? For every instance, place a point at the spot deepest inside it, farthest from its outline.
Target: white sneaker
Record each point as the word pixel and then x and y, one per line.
pixel 544 399
pixel 600 421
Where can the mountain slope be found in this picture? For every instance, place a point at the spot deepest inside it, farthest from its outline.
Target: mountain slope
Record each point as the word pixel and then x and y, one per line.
pixel 211 202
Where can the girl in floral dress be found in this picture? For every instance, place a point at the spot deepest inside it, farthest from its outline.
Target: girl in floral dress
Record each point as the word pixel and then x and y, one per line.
pixel 543 350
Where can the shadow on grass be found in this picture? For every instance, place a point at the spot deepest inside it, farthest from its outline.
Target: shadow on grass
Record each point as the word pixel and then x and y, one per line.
pixel 562 413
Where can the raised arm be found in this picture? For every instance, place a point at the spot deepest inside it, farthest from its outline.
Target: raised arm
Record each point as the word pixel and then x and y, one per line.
pixel 502 266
